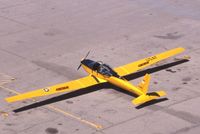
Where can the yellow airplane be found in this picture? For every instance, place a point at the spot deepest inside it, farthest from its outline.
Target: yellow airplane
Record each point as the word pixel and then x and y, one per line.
pixel 101 73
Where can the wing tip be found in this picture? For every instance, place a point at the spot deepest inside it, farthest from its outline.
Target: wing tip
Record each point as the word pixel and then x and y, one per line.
pixel 161 93
pixel 12 99
pixel 9 100
pixel 181 49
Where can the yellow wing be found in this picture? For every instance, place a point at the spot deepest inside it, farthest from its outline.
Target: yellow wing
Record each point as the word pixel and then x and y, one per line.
pixel 140 64
pixel 63 87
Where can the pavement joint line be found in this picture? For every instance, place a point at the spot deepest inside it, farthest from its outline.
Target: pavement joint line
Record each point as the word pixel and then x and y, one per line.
pixel 60 111
pixel 3 83
pixel 14 54
pixel 75 117
pixel 15 5
pixel 7 75
pixel 12 33
pixel 15 21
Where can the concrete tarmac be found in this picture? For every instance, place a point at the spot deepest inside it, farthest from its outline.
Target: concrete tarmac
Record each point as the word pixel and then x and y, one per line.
pixel 42 43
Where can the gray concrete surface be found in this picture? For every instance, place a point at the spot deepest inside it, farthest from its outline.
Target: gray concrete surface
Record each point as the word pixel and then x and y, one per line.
pixel 42 42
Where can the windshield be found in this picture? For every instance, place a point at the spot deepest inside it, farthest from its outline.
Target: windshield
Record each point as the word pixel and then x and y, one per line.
pixel 100 67
pixel 105 69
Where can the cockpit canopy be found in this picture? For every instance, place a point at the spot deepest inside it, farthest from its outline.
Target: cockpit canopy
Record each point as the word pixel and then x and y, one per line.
pixel 100 67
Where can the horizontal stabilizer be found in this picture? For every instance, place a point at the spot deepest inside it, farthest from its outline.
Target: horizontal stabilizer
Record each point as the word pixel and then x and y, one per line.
pixel 148 97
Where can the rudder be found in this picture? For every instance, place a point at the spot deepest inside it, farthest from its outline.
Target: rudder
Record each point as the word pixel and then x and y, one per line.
pixel 144 85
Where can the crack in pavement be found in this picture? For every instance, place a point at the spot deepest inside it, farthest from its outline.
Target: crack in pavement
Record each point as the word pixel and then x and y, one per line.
pixel 185 129
pixel 15 21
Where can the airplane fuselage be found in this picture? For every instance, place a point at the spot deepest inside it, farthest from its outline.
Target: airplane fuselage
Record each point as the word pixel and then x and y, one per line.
pixel 115 80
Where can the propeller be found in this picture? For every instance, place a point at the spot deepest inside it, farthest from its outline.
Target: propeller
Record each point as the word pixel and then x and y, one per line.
pixel 83 59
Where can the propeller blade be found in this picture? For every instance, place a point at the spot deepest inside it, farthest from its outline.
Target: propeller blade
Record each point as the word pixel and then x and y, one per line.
pixel 87 54
pixel 79 67
pixel 83 59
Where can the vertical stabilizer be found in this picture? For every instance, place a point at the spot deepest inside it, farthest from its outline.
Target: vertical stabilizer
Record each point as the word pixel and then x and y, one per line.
pixel 144 85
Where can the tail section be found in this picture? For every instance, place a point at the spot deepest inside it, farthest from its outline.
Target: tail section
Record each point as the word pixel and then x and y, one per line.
pixel 148 97
pixel 143 86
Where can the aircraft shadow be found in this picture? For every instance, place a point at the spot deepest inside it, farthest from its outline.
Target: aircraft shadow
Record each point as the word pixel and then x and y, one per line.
pixel 154 69
pixel 151 103
pixel 105 85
